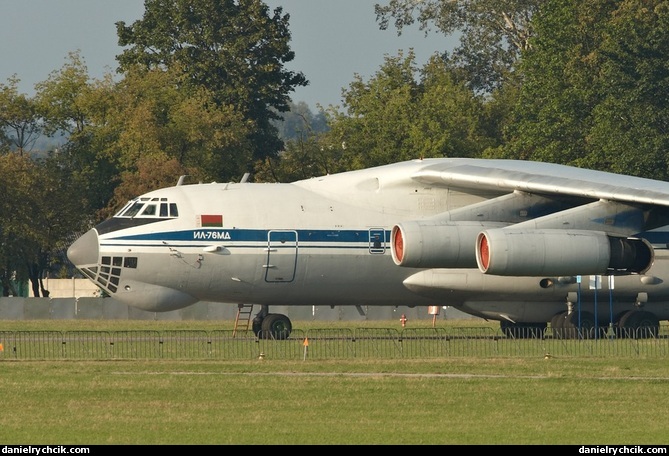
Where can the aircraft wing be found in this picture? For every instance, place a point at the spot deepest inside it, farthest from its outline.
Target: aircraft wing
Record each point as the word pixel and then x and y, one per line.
pixel 542 219
pixel 544 178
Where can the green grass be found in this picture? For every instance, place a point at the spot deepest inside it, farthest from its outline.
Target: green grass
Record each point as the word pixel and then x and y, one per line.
pixel 464 400
pixel 209 325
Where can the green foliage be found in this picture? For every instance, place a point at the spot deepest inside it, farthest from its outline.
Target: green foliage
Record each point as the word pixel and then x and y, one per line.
pixel 41 210
pixel 18 236
pixel 19 120
pixel 492 33
pixel 449 117
pixel 380 116
pixel 73 105
pixel 302 159
pixel 396 116
pixel 150 172
pixel 155 117
pixel 234 50
pixel 64 98
pixel 300 122
pixel 593 88
pixel 630 126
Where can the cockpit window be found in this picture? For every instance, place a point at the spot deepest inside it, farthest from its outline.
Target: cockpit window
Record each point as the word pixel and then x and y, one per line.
pixel 149 208
pixel 132 210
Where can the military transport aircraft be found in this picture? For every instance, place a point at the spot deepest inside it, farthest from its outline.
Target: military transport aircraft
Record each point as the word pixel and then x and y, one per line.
pixel 524 243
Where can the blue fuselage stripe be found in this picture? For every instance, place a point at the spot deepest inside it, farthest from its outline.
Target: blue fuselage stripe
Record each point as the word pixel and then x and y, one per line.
pixel 243 235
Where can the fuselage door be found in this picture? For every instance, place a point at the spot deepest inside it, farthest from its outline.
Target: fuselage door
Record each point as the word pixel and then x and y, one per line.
pixel 377 240
pixel 281 256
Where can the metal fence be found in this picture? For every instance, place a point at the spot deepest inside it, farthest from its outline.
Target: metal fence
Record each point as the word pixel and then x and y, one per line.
pixel 439 342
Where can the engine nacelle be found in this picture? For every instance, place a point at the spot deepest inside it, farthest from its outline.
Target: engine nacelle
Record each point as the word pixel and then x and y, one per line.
pixel 516 252
pixel 436 244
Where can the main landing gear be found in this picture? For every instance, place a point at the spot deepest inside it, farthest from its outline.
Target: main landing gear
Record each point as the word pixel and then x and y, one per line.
pixel 635 323
pixel 267 325
pixel 576 325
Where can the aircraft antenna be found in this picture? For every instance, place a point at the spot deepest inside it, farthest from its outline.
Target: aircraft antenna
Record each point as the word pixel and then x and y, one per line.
pixel 245 177
pixel 181 180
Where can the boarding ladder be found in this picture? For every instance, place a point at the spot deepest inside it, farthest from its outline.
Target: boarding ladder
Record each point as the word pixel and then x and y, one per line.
pixel 244 312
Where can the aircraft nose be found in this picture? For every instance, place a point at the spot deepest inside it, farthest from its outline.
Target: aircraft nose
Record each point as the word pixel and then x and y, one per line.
pixel 84 251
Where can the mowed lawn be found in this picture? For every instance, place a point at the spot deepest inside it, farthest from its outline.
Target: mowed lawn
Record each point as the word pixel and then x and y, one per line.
pixel 439 401
pixel 463 400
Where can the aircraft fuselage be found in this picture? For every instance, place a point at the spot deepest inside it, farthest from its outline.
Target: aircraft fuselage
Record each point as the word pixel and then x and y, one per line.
pixel 327 241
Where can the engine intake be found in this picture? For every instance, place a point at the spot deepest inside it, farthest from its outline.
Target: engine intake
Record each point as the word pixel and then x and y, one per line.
pixel 436 244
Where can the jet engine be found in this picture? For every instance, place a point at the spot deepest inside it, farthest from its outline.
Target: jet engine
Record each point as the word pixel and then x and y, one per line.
pixel 516 252
pixel 436 243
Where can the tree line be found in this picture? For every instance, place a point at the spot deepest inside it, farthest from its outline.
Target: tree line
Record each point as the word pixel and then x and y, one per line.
pixel 202 89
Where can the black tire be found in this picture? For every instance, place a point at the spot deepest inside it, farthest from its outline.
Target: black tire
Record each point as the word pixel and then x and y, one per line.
pixel 256 326
pixel 619 329
pixel 276 326
pixel 557 325
pixel 640 324
pixel 586 330
pixel 569 328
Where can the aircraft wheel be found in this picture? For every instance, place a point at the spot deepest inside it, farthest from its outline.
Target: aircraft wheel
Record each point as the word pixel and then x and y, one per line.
pixel 256 326
pixel 557 325
pixel 618 330
pixel 568 327
pixel 276 326
pixel 587 325
pixel 640 324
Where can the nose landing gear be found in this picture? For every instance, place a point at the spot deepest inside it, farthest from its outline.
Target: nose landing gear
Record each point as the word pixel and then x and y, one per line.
pixel 271 325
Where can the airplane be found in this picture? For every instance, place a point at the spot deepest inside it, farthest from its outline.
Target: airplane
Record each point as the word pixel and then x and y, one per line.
pixel 525 243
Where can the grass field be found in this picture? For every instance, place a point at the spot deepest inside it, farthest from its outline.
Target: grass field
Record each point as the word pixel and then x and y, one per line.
pixel 471 400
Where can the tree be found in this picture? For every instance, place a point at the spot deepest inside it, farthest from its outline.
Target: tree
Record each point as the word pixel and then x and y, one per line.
pixel 72 104
pixel 63 98
pixel 41 211
pixel 380 114
pixel 305 154
pixel 57 210
pixel 152 172
pixel 19 121
pixel 233 49
pixel 493 33
pixel 15 187
pixel 303 158
pixel 630 125
pixel 298 120
pixel 151 115
pixel 594 88
pixel 450 118
pixel 402 113
pixel 114 127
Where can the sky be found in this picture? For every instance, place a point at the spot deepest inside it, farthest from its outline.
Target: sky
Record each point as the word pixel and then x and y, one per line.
pixel 332 39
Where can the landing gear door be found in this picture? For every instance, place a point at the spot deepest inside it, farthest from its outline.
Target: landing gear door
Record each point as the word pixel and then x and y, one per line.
pixel 281 256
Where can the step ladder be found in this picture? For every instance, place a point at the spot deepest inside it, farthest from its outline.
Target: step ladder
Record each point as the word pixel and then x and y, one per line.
pixel 244 312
